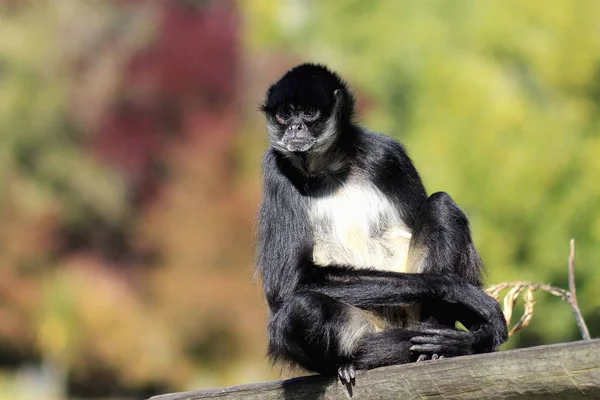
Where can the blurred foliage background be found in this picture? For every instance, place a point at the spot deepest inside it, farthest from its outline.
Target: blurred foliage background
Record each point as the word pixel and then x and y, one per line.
pixel 130 146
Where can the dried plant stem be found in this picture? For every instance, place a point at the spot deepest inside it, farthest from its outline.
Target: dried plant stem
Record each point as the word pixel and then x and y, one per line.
pixel 516 288
pixel 558 292
pixel 573 298
pixel 527 315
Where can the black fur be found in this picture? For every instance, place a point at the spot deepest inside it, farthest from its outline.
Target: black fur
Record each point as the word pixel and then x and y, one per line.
pixel 308 85
pixel 311 306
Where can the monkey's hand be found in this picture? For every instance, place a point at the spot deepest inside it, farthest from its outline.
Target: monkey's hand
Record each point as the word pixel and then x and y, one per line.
pixel 485 318
pixel 487 338
pixel 438 343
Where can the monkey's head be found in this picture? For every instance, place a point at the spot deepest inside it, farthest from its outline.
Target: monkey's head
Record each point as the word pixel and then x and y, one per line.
pixel 307 109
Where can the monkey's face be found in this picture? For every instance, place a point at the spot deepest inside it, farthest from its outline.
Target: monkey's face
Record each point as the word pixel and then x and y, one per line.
pixel 295 128
pixel 305 110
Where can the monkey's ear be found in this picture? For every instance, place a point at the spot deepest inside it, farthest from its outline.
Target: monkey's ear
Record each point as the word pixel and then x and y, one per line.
pixel 338 98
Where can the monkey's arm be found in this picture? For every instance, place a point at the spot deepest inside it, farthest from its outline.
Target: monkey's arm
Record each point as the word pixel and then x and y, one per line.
pixel 284 234
pixel 370 289
pixel 367 288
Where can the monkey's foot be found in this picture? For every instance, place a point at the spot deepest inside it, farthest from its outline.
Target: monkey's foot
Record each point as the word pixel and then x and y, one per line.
pixel 424 357
pixel 347 373
pixel 433 344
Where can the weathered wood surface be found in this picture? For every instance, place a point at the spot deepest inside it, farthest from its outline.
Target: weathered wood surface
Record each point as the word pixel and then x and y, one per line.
pixel 561 371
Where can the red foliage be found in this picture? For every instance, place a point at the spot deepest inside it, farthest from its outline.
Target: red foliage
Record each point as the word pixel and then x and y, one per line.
pixel 182 86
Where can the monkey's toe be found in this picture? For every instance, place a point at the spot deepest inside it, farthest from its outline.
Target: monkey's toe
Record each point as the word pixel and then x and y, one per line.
pixel 347 373
pixel 425 357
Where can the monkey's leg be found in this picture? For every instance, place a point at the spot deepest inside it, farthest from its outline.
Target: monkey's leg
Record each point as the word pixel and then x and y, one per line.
pixel 442 245
pixel 329 337
pixel 317 332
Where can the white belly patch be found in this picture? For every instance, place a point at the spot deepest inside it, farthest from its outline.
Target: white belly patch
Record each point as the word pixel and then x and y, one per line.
pixel 358 226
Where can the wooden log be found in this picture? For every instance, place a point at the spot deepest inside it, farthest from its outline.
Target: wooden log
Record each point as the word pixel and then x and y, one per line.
pixel 561 371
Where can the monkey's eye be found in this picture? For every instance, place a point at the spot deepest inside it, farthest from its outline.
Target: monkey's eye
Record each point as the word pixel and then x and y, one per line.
pixel 310 114
pixel 283 114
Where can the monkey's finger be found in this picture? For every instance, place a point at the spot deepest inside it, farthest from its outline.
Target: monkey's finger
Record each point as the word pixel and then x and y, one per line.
pixel 425 348
pixel 449 333
pixel 466 341
pixel 422 357
pixel 446 351
pixel 440 340
pixel 427 339
pixel 440 349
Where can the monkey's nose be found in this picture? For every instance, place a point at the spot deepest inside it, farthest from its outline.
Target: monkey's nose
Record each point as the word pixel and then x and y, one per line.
pixel 297 127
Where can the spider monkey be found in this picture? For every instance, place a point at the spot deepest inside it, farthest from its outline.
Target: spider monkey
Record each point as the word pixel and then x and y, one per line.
pixel 359 267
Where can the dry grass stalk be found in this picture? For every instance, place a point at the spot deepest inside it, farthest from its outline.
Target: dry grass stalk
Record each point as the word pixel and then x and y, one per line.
pixel 574 305
pixel 516 288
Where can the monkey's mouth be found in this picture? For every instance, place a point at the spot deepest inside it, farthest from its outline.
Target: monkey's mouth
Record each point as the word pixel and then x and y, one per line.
pixel 298 144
